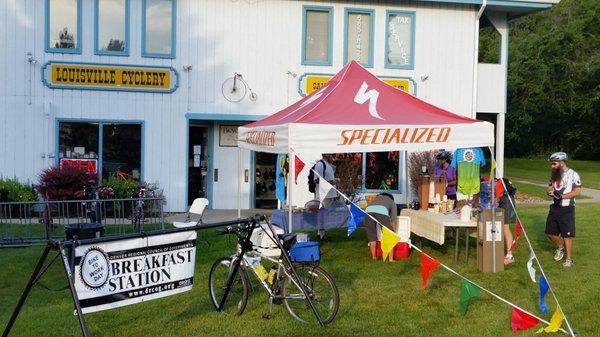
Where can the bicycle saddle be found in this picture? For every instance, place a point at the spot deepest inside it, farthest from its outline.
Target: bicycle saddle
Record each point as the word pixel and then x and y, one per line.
pixel 287 240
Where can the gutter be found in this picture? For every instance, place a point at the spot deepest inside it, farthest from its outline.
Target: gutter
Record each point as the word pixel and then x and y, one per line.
pixel 476 57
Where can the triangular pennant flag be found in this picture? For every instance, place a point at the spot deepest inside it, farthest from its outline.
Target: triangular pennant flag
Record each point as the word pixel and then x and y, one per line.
pixel 518 233
pixel 518 229
pixel 555 323
pixel 324 188
pixel 530 268
pixel 356 217
pixel 492 167
pixel 389 240
pixel 298 166
pixel 428 265
pixel 543 291
pixel 467 291
pixel 521 320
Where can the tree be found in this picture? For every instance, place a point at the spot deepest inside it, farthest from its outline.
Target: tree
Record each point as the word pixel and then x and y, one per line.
pixel 65 39
pixel 116 45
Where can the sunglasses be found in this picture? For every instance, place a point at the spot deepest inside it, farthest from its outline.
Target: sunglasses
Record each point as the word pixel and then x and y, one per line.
pixel 554 163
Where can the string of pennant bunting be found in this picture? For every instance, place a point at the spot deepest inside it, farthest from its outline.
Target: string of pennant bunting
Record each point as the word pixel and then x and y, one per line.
pixel 521 319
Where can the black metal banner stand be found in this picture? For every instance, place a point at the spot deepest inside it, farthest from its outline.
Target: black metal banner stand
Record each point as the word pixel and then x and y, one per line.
pixel 60 245
pixel 35 277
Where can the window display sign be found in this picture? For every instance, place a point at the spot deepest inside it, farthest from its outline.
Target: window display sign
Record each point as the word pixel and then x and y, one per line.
pixel 116 273
pixel 310 83
pixel 58 75
pixel 88 165
pixel 228 135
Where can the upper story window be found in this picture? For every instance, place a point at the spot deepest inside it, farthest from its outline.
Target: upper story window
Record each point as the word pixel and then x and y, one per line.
pixel 358 36
pixel 400 40
pixel 317 30
pixel 112 27
pixel 158 28
pixel 63 26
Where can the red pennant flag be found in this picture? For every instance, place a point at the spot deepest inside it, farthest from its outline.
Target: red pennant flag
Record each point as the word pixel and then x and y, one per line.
pixel 522 321
pixel 299 165
pixel 518 233
pixel 518 229
pixel 428 265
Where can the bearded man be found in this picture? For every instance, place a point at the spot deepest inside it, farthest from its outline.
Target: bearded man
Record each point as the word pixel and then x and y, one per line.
pixel 564 186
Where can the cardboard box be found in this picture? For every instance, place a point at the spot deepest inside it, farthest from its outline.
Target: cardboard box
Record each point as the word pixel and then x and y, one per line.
pixel 486 240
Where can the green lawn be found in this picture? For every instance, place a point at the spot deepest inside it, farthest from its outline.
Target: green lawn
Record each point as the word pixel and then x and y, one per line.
pixel 537 191
pixel 539 169
pixel 377 299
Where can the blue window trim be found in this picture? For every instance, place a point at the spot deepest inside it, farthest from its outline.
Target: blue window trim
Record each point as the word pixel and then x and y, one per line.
pixel 412 40
pixel 101 123
pixel 173 53
pixel 371 12
pixel 329 11
pixel 97 49
pixel 47 33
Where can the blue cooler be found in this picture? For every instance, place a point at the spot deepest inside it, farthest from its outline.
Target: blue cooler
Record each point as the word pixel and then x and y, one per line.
pixel 305 252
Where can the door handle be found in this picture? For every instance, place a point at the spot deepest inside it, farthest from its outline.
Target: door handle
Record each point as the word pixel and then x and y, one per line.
pixel 216 175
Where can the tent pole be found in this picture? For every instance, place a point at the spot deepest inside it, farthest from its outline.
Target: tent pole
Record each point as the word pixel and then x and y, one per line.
pixel 406 178
pixel 291 174
pixel 239 185
pixel 494 229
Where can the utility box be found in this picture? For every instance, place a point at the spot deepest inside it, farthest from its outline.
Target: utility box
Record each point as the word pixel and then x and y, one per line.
pixel 490 243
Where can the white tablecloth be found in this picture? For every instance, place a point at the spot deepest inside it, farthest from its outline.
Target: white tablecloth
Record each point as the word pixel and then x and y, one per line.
pixel 432 226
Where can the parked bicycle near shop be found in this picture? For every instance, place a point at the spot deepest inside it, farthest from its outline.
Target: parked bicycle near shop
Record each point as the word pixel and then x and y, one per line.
pixel 303 287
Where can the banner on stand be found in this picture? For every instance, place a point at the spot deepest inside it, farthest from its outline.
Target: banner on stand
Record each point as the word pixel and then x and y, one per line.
pixel 127 271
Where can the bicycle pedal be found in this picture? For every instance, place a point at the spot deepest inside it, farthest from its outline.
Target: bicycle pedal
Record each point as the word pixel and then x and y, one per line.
pixel 277 301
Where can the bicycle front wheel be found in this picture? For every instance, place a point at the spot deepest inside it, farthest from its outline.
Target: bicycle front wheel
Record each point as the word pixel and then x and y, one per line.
pixel 217 282
pixel 321 289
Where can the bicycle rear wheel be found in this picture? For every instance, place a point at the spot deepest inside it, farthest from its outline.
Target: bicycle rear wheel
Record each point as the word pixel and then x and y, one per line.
pixel 320 287
pixel 217 282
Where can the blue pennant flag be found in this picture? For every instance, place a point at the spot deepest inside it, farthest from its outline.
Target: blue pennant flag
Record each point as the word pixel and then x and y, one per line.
pixel 356 217
pixel 543 291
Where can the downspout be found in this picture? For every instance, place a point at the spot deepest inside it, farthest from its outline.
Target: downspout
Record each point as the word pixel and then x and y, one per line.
pixel 476 57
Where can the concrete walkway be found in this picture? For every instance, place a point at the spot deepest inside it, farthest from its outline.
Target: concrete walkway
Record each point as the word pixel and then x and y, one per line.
pixel 593 194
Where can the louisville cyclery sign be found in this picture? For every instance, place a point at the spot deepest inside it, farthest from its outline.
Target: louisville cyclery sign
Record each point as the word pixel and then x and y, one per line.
pixel 121 272
pixel 59 75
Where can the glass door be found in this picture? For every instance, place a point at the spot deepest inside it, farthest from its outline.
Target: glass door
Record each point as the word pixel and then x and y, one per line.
pixel 197 162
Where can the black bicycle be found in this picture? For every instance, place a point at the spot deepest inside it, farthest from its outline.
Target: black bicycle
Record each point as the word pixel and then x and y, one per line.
pixel 305 289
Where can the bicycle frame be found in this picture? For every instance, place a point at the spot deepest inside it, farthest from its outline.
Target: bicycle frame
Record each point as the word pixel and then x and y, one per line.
pixel 245 246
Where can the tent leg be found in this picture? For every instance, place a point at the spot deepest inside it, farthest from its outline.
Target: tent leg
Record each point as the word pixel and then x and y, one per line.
pixel 291 174
pixel 239 183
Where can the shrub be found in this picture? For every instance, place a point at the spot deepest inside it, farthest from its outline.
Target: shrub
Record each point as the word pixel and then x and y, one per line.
pixel 64 183
pixel 123 188
pixel 11 190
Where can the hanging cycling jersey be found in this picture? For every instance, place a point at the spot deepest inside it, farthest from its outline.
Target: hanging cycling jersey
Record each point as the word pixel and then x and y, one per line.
pixel 467 163
pixel 281 171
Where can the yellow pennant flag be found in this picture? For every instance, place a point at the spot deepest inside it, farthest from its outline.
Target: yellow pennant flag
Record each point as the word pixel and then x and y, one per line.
pixel 389 240
pixel 492 167
pixel 555 322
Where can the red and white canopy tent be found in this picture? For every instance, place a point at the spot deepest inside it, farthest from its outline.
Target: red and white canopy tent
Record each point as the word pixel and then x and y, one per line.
pixel 357 112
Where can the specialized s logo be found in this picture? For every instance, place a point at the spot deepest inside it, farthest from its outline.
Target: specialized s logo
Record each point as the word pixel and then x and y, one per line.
pixel 362 95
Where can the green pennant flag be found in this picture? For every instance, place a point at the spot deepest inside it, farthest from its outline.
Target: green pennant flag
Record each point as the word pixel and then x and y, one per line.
pixel 467 291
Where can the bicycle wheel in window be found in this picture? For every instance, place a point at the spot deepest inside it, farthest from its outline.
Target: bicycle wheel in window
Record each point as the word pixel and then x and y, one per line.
pixel 217 281
pixel 321 289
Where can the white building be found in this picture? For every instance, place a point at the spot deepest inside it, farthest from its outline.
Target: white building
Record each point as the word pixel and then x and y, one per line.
pixel 142 86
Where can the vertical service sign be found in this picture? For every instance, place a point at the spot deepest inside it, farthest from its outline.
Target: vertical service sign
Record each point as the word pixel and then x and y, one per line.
pixel 126 271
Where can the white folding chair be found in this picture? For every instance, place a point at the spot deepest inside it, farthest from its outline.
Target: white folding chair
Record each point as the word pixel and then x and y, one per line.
pixel 197 209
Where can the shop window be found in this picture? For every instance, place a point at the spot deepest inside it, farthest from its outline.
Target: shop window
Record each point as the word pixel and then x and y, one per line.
pixel 158 28
pixel 400 40
pixel 63 26
pixel 359 36
pixel 368 171
pixel 78 140
pixel 381 170
pixel 317 32
pixel 111 147
pixel 112 27
pixel 122 149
